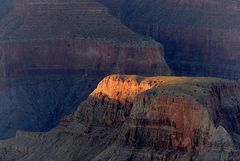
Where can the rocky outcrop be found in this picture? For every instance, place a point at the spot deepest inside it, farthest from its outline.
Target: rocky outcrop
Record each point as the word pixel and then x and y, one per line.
pixel 53 47
pixel 200 38
pixel 142 118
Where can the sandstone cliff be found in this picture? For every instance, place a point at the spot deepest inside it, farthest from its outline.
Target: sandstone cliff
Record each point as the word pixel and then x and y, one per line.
pixel 51 47
pixel 200 37
pixel 142 118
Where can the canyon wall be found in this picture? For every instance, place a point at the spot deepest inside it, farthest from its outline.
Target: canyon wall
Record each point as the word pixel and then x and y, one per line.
pixel 74 35
pixel 200 38
pixel 135 118
pixel 54 52
pixel 80 55
pixel 38 102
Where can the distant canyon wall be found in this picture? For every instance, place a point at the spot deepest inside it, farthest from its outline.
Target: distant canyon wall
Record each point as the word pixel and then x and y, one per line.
pixel 54 52
pixel 33 56
pixel 200 38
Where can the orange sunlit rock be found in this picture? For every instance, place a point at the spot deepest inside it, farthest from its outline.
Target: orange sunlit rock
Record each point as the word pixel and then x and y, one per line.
pixel 160 118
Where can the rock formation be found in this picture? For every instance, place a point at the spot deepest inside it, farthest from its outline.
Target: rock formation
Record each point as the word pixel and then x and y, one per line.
pixel 52 47
pixel 200 37
pixel 73 35
pixel 135 118
pixel 38 102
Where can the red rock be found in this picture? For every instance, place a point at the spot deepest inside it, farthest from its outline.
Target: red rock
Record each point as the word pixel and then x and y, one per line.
pixel 80 55
pixel 76 36
pixel 50 47
pixel 143 118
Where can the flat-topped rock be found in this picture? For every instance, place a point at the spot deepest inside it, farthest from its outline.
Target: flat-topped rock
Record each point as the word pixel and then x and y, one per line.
pixel 129 117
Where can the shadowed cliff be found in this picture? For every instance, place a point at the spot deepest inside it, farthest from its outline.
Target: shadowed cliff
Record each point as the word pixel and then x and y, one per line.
pixel 200 37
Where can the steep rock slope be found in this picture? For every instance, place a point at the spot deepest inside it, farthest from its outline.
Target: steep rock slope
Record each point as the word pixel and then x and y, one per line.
pixel 73 35
pixel 200 37
pixel 38 102
pixel 51 47
pixel 142 118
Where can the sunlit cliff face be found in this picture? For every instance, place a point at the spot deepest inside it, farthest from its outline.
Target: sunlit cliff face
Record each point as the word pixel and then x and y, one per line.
pixel 126 88
pixel 116 95
pixel 162 112
pixel 166 116
pixel 149 117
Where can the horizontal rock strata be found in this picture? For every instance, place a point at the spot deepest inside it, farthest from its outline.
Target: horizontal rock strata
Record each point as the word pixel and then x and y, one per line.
pixel 200 38
pixel 137 118
pixel 62 41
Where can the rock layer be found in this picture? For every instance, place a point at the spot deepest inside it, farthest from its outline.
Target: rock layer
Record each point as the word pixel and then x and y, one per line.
pixel 69 45
pixel 79 56
pixel 200 38
pixel 142 118
pixel 73 35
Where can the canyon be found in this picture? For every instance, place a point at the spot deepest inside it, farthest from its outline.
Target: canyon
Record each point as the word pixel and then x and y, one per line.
pixel 200 37
pixel 74 35
pixel 133 118
pixel 87 80
pixel 54 52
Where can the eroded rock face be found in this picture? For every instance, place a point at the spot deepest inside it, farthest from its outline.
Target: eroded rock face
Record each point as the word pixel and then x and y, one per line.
pixel 69 45
pixel 37 103
pixel 200 38
pixel 79 56
pixel 142 118
pixel 73 35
